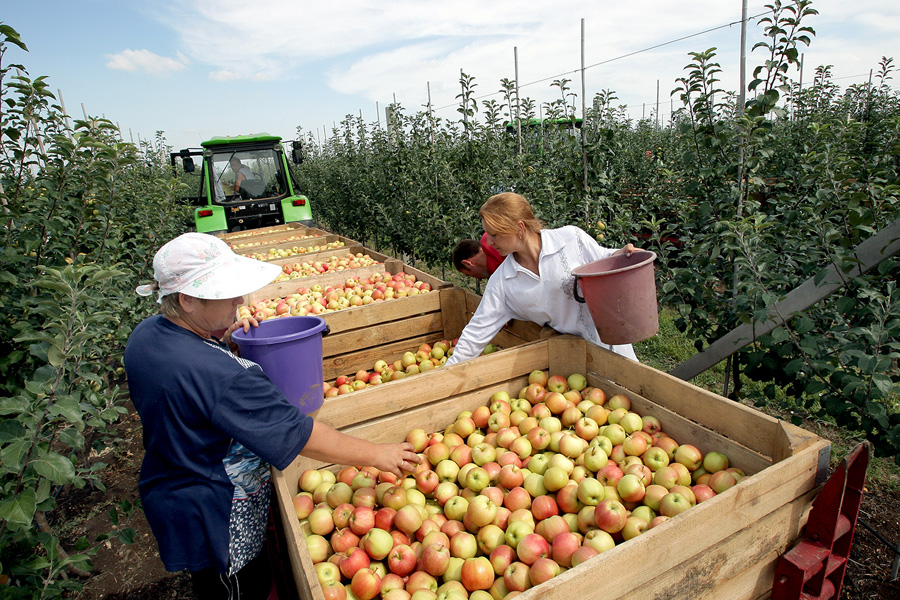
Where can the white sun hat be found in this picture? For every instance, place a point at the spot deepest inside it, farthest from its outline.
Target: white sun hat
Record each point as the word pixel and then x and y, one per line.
pixel 203 266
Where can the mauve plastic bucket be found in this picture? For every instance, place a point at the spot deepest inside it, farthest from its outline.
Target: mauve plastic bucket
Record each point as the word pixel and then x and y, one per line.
pixel 620 292
pixel 289 350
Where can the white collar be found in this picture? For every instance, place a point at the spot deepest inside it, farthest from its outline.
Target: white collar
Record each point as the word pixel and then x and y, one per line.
pixel 551 243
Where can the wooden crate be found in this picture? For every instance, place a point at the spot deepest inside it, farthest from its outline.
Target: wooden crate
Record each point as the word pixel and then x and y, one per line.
pixel 390 265
pixel 325 255
pixel 281 243
pixel 362 335
pixel 725 547
pixel 265 231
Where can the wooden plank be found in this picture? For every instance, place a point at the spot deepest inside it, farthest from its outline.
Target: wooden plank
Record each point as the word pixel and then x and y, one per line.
pixel 430 387
pixel 374 335
pixel 869 254
pixel 302 238
pixel 741 423
pixel 351 362
pixel 382 312
pixel 262 231
pixel 453 305
pixel 567 355
pixel 305 580
pixel 288 244
pixel 263 244
pixel 739 566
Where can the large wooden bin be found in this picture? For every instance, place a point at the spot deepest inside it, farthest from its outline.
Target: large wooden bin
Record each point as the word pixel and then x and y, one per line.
pixel 360 336
pixel 724 548
pixel 284 242
pixel 292 227
pixel 333 278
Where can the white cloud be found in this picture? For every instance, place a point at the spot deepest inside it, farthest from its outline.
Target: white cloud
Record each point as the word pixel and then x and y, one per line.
pixel 144 60
pixel 378 50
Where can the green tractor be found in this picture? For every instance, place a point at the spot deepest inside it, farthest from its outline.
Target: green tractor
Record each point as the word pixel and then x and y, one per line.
pixel 244 183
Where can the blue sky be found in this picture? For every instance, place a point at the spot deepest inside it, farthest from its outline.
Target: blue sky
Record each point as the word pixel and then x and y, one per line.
pixel 199 68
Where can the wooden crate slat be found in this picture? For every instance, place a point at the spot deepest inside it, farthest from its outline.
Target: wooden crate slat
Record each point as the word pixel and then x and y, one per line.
pixel 382 312
pixel 337 343
pixel 351 362
pixel 739 566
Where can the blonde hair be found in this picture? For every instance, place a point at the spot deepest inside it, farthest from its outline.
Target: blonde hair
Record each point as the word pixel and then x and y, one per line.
pixel 502 213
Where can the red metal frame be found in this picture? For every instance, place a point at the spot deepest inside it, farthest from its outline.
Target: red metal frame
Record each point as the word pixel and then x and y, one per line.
pixel 815 568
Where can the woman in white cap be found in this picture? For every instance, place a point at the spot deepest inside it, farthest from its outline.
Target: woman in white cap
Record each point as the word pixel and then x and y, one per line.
pixel 213 422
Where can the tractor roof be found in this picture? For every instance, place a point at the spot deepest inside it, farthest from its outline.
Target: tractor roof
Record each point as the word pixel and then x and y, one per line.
pixel 240 139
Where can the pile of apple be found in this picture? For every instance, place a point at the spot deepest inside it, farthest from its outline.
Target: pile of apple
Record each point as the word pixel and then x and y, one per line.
pixel 276 253
pixel 332 264
pixel 241 245
pixel 509 496
pixel 264 231
pixel 424 359
pixel 356 291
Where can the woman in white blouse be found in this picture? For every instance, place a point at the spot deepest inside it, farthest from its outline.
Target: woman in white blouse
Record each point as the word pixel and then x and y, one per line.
pixel 535 283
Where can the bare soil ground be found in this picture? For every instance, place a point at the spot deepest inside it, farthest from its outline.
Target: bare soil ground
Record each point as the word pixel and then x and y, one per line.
pixel 135 572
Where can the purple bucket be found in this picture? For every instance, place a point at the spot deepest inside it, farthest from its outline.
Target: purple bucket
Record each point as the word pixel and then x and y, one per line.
pixel 289 350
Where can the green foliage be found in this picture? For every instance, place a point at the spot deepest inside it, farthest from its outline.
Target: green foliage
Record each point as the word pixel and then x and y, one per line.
pixel 76 204
pixel 741 203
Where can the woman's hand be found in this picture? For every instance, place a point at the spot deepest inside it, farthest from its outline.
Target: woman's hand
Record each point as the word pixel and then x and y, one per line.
pixel 244 324
pixel 627 250
pixel 399 459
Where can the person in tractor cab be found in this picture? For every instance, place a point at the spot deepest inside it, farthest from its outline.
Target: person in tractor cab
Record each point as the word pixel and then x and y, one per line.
pixel 535 281
pixel 475 259
pixel 242 173
pixel 214 422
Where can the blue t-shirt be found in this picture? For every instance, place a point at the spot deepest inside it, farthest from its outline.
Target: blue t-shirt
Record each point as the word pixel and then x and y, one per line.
pixel 212 423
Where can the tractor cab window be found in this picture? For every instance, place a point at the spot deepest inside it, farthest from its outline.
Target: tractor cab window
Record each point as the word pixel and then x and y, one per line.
pixel 246 175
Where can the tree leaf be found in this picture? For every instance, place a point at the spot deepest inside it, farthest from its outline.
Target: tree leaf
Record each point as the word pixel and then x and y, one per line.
pixel 18 511
pixel 13 455
pixel 55 467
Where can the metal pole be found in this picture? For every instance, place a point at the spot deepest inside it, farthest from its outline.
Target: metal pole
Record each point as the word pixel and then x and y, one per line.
pixel 657 103
pixel 800 86
pixel 584 159
pixel 430 115
pixel 739 209
pixel 518 114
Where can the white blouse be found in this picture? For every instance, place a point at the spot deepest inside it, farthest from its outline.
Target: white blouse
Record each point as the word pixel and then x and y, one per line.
pixel 514 292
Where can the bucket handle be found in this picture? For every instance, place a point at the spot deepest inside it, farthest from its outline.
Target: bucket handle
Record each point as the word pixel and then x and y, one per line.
pixel 578 297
